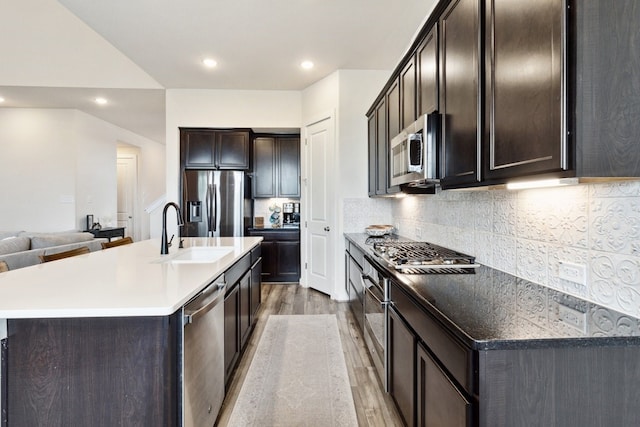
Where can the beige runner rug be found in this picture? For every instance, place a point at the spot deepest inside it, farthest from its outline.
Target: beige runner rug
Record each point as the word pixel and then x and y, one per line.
pixel 298 376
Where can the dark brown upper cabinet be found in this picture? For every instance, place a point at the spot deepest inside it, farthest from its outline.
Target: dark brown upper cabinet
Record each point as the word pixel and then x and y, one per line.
pixel 371 151
pixel 607 104
pixel 526 90
pixel 427 63
pixel 394 126
pixel 524 98
pixel 202 148
pixel 382 148
pixel 460 93
pixel 408 93
pixel 276 168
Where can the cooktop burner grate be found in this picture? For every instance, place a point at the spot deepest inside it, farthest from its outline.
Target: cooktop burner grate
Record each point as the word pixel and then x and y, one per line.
pixel 424 258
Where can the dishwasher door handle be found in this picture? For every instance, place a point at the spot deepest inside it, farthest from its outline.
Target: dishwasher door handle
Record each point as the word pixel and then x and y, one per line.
pixel 204 302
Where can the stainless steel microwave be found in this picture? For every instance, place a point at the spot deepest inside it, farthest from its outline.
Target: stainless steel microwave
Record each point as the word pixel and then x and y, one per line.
pixel 413 153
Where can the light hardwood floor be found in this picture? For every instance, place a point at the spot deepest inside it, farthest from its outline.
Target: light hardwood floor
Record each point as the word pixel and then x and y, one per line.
pixel 373 406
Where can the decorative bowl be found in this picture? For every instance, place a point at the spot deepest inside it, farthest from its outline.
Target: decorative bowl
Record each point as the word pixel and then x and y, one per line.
pixel 378 230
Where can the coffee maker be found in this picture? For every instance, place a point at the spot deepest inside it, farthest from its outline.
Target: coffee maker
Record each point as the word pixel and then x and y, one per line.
pixel 291 214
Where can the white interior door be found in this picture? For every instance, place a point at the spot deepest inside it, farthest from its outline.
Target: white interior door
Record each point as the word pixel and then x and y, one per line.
pixel 127 183
pixel 320 205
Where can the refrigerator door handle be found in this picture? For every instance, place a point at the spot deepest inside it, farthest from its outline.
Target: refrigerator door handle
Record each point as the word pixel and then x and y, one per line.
pixel 215 208
pixel 208 203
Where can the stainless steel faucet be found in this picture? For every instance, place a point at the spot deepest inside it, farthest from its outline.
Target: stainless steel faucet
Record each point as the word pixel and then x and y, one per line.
pixel 164 246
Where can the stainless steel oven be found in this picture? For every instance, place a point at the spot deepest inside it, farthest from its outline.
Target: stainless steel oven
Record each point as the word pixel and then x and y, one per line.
pixel 375 299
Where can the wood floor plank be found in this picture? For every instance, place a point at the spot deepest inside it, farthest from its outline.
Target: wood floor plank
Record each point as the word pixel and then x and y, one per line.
pixel 373 407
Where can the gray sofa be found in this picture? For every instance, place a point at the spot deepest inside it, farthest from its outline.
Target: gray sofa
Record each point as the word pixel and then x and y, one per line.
pixel 22 248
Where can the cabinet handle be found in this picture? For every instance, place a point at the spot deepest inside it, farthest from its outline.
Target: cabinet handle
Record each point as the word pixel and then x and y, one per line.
pixel 327 228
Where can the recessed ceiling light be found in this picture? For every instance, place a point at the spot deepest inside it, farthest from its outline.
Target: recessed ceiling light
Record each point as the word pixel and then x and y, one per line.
pixel 307 65
pixel 209 62
pixel 100 101
pixel 1 99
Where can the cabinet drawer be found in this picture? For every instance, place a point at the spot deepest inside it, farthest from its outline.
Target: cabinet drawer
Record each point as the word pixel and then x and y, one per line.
pixel 256 253
pixel 355 274
pixel 233 274
pixel 454 356
pixel 356 254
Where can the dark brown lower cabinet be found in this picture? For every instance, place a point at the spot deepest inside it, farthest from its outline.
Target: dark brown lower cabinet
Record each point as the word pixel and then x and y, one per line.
pixel 255 297
pixel 241 303
pixel 437 380
pixel 244 315
pixel 231 330
pixel 402 350
pixel 280 254
pixel 438 401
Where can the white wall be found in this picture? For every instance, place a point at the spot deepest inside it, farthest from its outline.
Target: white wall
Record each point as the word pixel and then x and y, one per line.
pixel 37 170
pixel 347 94
pixel 59 165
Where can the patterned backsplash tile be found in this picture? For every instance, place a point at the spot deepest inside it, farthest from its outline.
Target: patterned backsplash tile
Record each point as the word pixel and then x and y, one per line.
pixel 528 233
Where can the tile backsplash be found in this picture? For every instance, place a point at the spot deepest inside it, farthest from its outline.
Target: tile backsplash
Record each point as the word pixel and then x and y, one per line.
pixel 529 233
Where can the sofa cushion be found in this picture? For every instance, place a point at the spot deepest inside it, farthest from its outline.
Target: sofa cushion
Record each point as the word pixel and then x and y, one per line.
pixel 44 240
pixel 14 244
pixel 5 234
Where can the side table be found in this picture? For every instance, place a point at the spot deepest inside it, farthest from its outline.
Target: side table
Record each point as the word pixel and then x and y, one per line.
pixel 108 232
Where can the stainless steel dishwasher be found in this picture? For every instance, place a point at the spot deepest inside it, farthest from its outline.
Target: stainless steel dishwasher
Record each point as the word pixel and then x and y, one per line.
pixel 203 356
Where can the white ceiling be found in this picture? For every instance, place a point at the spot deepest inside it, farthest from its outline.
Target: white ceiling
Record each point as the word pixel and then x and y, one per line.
pixel 258 44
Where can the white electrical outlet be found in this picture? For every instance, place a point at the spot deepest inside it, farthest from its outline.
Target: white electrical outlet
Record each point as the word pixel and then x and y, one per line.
pixel 418 233
pixel 576 273
pixel 572 317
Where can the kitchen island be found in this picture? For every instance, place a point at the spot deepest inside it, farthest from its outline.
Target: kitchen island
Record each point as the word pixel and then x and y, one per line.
pixel 489 349
pixel 97 339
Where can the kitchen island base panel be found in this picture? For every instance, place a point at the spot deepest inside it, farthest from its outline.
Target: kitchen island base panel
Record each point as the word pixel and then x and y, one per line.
pixel 93 371
pixel 567 386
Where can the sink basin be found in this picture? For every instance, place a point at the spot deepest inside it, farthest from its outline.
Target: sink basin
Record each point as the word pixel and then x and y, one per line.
pixel 199 255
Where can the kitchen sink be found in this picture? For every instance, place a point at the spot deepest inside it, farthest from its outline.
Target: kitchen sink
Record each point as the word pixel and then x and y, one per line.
pixel 200 254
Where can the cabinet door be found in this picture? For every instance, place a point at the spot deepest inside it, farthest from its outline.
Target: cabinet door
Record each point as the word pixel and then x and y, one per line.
pixel 269 260
pixel 382 148
pixel 427 62
pixel 198 148
pixel 244 314
pixel 459 93
pixel 371 152
pixel 439 403
pixel 288 170
pixel 394 126
pixel 264 167
pixel 523 107
pixel 232 150
pixel 402 350
pixel 288 261
pixel 256 282
pixel 408 93
pixel 231 331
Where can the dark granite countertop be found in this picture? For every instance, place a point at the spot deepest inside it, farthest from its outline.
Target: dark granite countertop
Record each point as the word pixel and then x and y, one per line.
pixel 495 310
pixel 273 230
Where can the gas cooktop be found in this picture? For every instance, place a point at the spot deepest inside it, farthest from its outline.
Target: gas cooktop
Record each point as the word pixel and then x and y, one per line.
pixel 423 257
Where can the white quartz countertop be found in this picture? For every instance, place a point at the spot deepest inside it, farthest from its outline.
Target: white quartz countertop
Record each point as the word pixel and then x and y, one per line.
pixel 130 280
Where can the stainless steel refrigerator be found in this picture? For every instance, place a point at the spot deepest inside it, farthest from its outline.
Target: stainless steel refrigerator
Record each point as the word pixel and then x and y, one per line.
pixel 216 203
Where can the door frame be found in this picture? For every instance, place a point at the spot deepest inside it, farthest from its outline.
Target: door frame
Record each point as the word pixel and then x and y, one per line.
pixel 125 151
pixel 304 197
